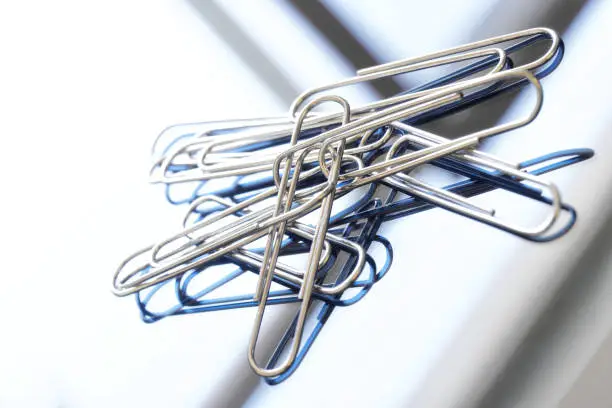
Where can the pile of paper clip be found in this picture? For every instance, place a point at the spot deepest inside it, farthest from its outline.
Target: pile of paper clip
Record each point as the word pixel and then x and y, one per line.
pixel 260 192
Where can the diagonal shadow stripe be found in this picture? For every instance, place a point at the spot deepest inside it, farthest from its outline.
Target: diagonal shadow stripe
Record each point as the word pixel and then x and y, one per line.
pixel 247 50
pixel 344 41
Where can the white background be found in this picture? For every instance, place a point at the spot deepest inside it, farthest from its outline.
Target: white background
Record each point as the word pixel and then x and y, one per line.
pixel 84 89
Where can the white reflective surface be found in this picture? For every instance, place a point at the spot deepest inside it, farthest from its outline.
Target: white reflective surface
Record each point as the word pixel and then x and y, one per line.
pixel 86 90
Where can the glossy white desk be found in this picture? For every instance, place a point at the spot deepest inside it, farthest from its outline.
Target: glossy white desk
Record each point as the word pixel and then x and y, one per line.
pixel 459 302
